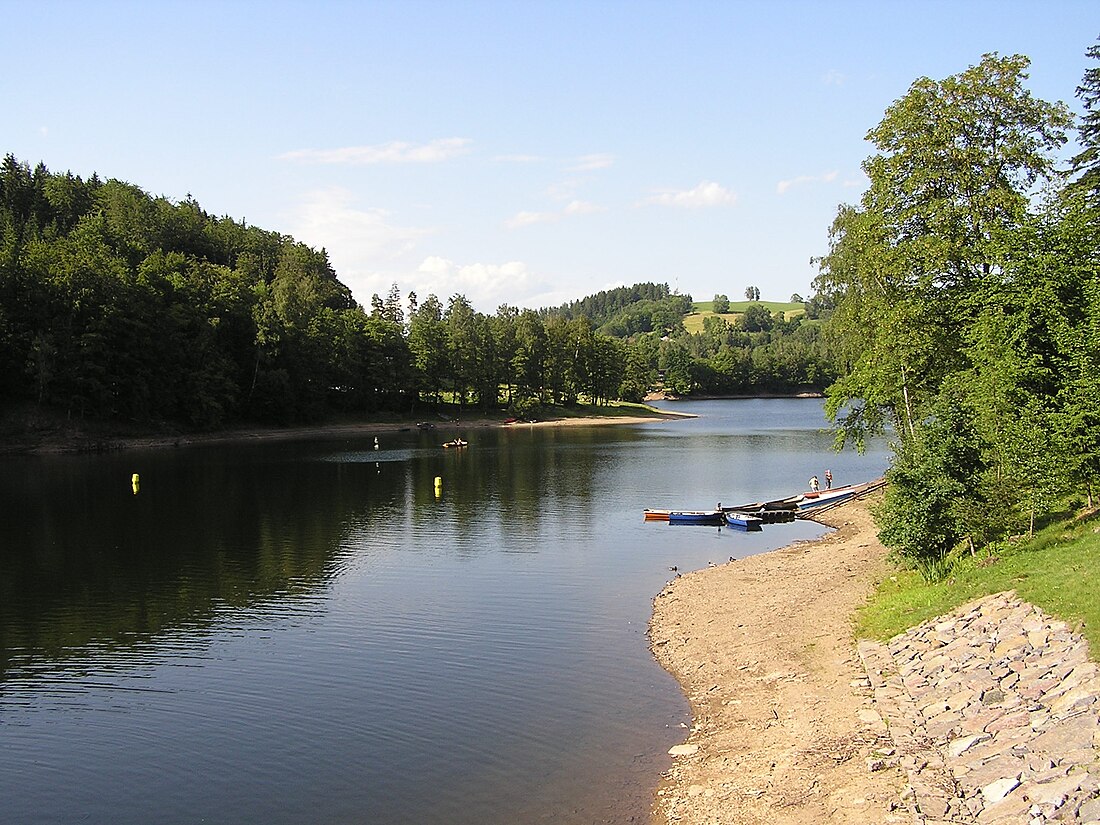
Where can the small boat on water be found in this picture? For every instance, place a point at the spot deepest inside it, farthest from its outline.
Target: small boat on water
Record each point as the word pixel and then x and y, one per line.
pixel 656 515
pixel 458 442
pixel 696 517
pixel 743 521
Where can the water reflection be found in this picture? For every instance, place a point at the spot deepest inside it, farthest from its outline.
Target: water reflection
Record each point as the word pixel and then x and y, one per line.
pixel 306 632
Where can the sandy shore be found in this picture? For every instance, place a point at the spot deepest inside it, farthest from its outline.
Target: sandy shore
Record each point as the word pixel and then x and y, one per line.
pixel 763 648
pixel 62 442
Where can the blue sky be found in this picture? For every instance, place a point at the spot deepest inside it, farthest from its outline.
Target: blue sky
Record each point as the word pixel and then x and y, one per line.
pixel 515 152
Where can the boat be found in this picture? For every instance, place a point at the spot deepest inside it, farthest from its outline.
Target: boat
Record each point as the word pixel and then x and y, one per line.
pixel 819 498
pixel 656 515
pixel 696 517
pixel 458 442
pixel 769 512
pixel 743 521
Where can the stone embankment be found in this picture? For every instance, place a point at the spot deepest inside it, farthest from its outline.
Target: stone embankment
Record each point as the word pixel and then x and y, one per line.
pixel 993 715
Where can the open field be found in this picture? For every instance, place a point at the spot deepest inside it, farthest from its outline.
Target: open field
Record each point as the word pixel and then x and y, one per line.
pixel 694 322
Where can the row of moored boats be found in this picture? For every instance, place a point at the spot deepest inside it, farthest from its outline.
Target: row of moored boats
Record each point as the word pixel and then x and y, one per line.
pixel 753 516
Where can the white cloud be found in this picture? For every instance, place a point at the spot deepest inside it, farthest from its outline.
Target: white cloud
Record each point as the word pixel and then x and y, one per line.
pixel 521 219
pixel 564 190
pixel 395 151
pixel 785 185
pixel 359 241
pixel 487 286
pixel 574 207
pixel 589 163
pixel 519 159
pixel 833 78
pixel 582 208
pixel 706 194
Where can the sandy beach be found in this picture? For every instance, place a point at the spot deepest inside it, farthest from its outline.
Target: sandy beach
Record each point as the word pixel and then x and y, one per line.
pixel 764 651
pixel 69 441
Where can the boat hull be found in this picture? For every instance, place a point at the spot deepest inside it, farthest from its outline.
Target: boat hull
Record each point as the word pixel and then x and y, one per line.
pixel 695 517
pixel 743 521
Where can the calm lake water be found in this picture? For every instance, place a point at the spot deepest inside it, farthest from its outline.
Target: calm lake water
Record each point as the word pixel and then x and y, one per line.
pixel 306 632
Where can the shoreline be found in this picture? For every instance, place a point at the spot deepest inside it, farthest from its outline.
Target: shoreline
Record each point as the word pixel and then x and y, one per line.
pixel 78 442
pixel 764 652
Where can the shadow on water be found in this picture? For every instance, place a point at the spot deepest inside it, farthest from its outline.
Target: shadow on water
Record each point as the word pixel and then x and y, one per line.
pixel 317 632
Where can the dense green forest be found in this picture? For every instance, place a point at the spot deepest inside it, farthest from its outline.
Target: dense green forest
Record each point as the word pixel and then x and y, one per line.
pixel 966 286
pixel 116 305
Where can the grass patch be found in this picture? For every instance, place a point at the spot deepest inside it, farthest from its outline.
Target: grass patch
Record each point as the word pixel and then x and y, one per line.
pixel 616 409
pixel 694 323
pixel 1058 571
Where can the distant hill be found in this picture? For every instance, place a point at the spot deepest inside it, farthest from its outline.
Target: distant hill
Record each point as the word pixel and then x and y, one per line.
pixel 629 310
pixel 702 309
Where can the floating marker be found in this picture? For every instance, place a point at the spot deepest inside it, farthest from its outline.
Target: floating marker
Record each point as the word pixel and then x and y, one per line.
pixel 135 483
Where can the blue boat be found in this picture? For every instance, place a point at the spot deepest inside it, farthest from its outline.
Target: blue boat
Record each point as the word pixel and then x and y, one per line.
pixel 743 521
pixel 695 517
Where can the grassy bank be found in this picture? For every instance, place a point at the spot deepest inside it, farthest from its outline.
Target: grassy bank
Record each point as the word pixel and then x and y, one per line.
pixel 1058 570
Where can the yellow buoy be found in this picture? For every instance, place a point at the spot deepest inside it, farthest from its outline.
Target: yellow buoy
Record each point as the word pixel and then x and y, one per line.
pixel 135 483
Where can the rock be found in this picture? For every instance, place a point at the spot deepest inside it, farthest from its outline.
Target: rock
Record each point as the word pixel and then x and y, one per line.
pixel 1054 793
pixel 1089 812
pixel 961 745
pixel 683 750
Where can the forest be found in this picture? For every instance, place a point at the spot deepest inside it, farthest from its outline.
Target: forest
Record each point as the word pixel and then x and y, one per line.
pixel 966 295
pixel 956 311
pixel 116 305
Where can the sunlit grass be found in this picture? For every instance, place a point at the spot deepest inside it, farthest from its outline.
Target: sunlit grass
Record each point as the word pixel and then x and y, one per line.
pixel 1058 570
pixel 694 323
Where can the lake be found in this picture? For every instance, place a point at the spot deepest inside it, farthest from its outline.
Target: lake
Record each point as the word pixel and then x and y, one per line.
pixel 309 632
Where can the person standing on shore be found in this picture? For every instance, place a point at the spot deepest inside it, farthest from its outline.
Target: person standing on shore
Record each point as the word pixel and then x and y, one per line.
pixel 828 479
pixel 813 484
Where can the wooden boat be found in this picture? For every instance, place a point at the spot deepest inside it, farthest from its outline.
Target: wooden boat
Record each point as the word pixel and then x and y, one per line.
pixel 458 442
pixel 695 517
pixel 769 512
pixel 743 521
pixel 810 500
pixel 656 515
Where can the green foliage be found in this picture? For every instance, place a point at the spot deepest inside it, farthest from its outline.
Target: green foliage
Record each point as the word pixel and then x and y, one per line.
pixel 965 315
pixel 1058 570
pixel 932 490
pixel 1085 165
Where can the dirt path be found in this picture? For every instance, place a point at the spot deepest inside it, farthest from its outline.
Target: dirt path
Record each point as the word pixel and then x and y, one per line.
pixel 782 726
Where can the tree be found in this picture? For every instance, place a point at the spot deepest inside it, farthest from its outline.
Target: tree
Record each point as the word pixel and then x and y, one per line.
pixel 428 344
pixel 756 318
pixel 1085 165
pixel 752 293
pixel 931 481
pixel 956 164
pixel 721 304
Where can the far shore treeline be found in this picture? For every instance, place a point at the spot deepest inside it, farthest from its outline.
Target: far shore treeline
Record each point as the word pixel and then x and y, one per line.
pixel 957 309
pixel 119 306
